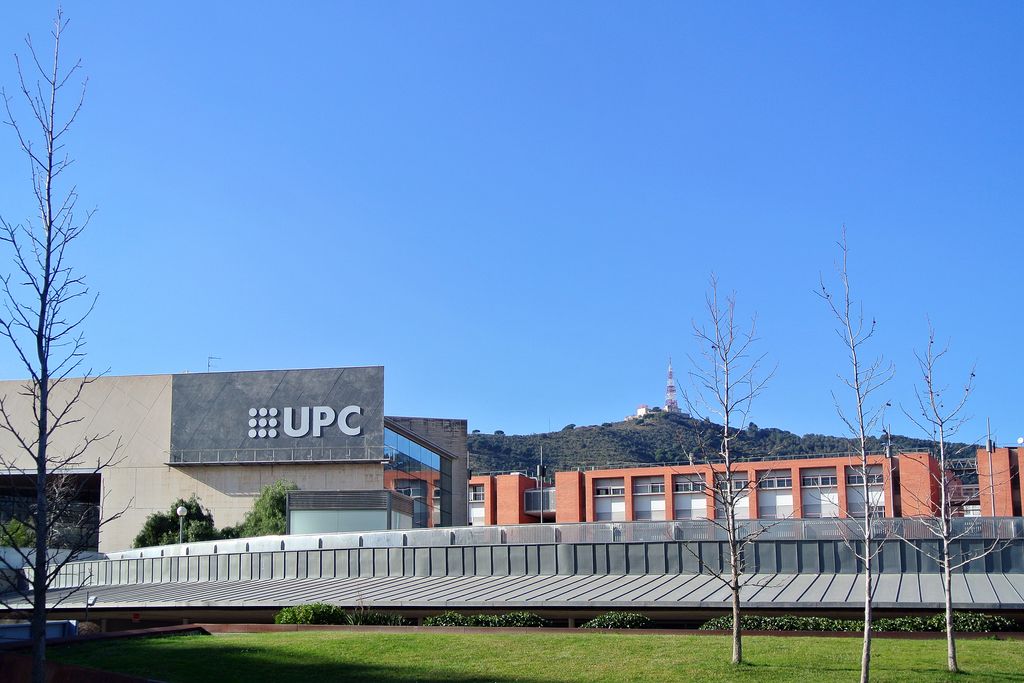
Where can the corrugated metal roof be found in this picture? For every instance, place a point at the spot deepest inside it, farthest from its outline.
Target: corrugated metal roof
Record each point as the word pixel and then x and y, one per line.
pixel 640 591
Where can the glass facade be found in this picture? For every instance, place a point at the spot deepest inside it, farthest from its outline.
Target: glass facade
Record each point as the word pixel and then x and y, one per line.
pixel 422 474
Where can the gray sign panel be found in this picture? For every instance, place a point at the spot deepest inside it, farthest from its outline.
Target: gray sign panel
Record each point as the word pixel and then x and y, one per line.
pixel 278 415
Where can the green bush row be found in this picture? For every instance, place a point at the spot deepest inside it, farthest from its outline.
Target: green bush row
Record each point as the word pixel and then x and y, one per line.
pixel 619 620
pixel 510 619
pixel 967 622
pixel 312 613
pixel 531 620
pixel 323 613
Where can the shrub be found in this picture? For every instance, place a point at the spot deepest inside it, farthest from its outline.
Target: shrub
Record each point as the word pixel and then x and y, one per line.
pixel 619 620
pixel 511 620
pixel 447 619
pixel 312 613
pixel 522 620
pixel 483 620
pixel 370 617
pixel 904 624
pixel 88 628
pixel 267 516
pixel 971 622
pixel 161 528
pixel 17 534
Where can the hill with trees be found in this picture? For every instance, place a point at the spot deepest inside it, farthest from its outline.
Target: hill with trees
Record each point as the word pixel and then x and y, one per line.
pixel 659 437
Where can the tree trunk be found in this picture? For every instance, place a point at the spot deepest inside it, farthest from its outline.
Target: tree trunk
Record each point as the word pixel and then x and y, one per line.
pixel 737 640
pixel 947 583
pixel 865 656
pixel 38 628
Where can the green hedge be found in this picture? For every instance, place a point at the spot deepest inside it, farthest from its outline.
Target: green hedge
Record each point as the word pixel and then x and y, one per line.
pixel 372 617
pixel 510 619
pixel 967 622
pixel 619 620
pixel 313 613
pixel 323 613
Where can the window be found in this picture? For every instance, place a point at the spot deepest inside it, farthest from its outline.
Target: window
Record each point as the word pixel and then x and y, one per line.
pixel 420 473
pixel 819 481
pixel 610 491
pixel 776 483
pixel 476 493
pixel 738 484
pixel 874 479
pixel 688 486
pixel 647 488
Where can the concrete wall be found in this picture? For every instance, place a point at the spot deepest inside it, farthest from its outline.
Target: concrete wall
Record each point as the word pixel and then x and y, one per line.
pixel 671 557
pixel 134 412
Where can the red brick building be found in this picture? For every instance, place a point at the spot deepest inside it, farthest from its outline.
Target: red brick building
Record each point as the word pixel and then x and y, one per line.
pixel 905 485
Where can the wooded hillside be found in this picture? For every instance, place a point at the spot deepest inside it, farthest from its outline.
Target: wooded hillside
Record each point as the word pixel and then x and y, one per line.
pixel 659 437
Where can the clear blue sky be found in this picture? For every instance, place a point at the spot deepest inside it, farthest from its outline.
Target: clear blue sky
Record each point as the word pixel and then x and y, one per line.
pixel 515 207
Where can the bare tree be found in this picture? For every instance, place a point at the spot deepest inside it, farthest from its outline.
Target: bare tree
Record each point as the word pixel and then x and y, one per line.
pixel 941 420
pixel 45 303
pixel 861 416
pixel 726 380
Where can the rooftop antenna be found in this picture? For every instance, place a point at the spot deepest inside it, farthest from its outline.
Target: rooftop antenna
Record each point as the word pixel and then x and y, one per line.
pixel 988 450
pixel 209 362
pixel 671 405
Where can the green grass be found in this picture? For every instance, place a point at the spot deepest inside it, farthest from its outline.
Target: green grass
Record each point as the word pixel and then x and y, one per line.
pixel 319 657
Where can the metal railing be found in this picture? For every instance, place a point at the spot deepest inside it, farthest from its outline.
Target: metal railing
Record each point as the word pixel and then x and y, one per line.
pixel 912 529
pixel 246 456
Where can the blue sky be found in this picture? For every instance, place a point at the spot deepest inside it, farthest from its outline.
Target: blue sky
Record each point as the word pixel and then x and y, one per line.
pixel 515 207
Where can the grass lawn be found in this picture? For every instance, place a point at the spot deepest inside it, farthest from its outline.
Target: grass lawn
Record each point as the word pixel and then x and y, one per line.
pixel 320 657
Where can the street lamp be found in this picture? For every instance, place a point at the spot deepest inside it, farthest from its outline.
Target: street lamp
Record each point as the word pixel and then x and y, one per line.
pixel 90 600
pixel 182 511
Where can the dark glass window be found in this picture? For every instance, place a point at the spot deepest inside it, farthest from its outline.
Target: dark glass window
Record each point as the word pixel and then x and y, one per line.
pixel 422 474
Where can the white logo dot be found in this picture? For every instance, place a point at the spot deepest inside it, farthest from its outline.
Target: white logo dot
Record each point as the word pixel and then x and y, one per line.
pixel 263 412
pixel 252 433
pixel 273 412
pixel 252 412
pixel 272 433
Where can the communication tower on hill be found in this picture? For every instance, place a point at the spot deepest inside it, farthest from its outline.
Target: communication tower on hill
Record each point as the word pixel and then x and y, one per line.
pixel 671 405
